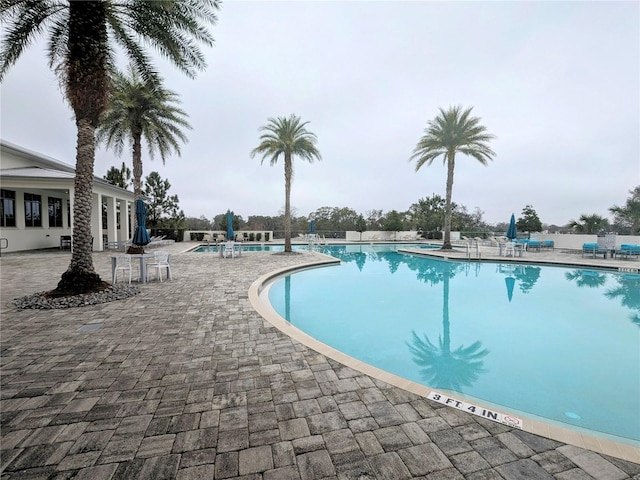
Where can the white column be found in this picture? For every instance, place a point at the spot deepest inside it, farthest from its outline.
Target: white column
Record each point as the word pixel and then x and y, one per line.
pixel 112 219
pixel 125 234
pixel 96 222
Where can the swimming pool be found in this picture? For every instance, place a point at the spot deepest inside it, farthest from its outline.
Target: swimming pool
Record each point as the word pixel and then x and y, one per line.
pixel 539 341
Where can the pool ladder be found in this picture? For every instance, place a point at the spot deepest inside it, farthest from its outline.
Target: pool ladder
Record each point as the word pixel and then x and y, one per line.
pixel 473 245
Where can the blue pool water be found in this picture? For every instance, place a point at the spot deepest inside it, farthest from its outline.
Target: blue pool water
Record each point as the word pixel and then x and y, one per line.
pixel 553 342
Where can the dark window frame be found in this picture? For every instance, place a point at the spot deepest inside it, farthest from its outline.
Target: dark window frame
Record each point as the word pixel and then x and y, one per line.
pixel 32 210
pixel 7 208
pixel 55 211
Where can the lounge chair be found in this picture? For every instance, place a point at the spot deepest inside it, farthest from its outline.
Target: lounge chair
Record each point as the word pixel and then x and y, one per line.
pixel 548 244
pixel 593 249
pixel 628 250
pixel 534 245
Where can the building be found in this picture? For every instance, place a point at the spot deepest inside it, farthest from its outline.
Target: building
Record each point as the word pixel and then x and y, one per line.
pixel 36 203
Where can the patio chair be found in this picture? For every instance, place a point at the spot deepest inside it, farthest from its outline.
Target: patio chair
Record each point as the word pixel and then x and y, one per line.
pixel 627 250
pixel 509 249
pixel 123 264
pixel 160 260
pixel 65 242
pixel 534 245
pixel 593 249
pixel 230 249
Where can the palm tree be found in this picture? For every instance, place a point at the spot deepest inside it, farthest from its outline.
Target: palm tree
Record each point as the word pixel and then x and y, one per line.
pixel 142 108
pixel 593 223
pixel 629 214
pixel 453 131
pixel 288 137
pixel 82 41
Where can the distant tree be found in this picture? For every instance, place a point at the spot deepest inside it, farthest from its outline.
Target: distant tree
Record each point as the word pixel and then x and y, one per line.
pixel 393 221
pixel 257 222
pixel 84 39
pixel 287 136
pixel 202 223
pixel 361 226
pixel 464 221
pixel 374 219
pixel 142 109
pixel 593 223
pixel 427 214
pixel 161 204
pixel 334 219
pixel 628 216
pixel 452 131
pixel 119 178
pixel 529 221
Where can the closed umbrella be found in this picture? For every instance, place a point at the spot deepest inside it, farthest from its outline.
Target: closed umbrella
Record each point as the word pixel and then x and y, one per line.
pixel 312 226
pixel 141 236
pixel 512 232
pixel 230 235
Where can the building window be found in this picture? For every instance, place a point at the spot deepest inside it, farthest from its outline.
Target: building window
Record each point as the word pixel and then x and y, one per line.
pixel 7 208
pixel 55 212
pixel 32 216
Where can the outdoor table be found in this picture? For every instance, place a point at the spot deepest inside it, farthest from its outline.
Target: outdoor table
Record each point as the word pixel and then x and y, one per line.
pixel 143 265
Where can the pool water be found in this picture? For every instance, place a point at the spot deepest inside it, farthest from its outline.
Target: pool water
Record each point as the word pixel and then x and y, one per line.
pixel 546 341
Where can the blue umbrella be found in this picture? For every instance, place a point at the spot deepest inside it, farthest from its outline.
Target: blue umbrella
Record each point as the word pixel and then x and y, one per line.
pixel 512 233
pixel 312 226
pixel 230 226
pixel 141 236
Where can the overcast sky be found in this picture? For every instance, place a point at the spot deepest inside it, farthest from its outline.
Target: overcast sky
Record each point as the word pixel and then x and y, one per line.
pixel 557 83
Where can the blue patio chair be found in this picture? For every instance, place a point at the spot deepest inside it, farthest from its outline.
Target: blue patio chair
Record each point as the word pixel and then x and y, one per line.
pixel 628 250
pixel 593 249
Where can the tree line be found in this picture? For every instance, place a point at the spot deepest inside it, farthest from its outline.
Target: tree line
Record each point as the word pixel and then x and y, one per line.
pixel 427 215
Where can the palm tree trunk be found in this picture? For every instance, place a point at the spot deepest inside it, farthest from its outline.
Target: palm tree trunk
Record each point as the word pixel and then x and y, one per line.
pixel 446 244
pixel 86 89
pixel 137 171
pixel 287 202
pixel 81 277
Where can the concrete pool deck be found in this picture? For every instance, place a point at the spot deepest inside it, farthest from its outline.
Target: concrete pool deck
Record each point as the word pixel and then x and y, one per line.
pixel 187 380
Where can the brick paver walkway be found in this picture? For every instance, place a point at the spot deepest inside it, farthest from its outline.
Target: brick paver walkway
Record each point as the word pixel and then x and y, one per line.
pixel 187 381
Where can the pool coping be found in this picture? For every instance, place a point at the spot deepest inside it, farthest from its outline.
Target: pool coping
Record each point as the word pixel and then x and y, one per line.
pixel 258 298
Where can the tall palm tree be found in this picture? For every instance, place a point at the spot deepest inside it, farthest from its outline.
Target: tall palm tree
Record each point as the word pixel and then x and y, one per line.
pixel 452 131
pixel 82 41
pixel 286 136
pixel 142 108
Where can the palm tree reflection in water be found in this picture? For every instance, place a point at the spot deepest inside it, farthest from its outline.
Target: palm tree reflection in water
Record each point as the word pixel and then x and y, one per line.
pixel 442 367
pixel 628 290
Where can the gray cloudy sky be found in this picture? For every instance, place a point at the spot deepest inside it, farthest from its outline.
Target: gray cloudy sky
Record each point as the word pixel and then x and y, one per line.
pixel 556 82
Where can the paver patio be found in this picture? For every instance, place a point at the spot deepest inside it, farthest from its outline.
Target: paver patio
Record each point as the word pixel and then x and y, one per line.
pixel 187 381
